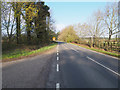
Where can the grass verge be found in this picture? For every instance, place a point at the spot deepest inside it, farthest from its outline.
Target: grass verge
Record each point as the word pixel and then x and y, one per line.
pixel 24 52
pixel 98 50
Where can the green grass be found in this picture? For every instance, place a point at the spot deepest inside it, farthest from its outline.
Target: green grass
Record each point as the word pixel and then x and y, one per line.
pixel 20 52
pixel 98 50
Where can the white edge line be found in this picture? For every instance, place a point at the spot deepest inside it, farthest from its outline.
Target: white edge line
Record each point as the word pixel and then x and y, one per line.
pixel 74 49
pixel 57 85
pixel 57 68
pixel 65 46
pixel 96 52
pixel 103 66
pixel 71 48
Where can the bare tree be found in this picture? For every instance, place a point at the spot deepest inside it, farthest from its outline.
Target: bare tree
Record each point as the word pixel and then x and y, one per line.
pixel 7 20
pixel 96 26
pixel 82 30
pixel 111 19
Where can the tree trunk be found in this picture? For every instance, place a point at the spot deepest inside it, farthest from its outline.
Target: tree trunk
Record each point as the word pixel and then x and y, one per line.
pixel 29 24
pixel 109 37
pixel 29 37
pixel 18 32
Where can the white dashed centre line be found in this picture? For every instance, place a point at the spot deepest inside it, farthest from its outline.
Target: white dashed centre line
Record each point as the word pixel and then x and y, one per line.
pixel 57 86
pixel 57 68
pixel 103 66
pixel 57 58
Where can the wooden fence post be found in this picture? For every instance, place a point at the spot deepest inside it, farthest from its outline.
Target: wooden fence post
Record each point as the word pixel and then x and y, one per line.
pixel 111 46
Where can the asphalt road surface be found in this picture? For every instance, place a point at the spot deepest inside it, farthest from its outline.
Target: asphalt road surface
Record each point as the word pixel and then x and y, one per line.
pixel 66 66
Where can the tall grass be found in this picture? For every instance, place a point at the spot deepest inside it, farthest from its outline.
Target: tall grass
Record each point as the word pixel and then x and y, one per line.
pixel 24 52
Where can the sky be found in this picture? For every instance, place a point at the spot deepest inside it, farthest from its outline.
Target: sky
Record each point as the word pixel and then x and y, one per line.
pixel 70 13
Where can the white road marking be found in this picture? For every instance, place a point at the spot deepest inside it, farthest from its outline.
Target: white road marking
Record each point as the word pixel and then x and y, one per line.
pixel 57 58
pixel 57 68
pixel 74 49
pixel 103 66
pixel 97 52
pixel 64 46
pixel 70 47
pixel 67 46
pixel 57 85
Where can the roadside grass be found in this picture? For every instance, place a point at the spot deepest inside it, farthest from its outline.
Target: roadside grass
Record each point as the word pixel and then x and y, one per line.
pixel 25 52
pixel 101 51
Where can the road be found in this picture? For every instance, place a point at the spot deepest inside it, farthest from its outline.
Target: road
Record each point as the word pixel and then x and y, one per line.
pixel 66 66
